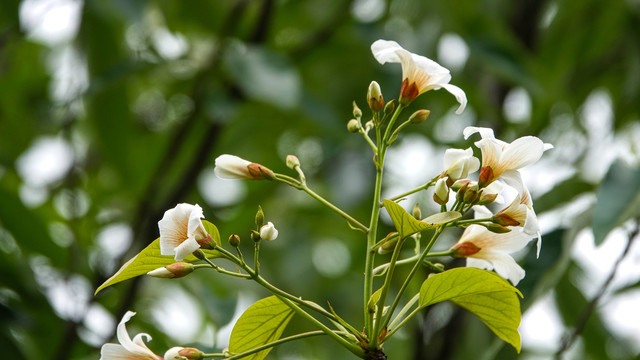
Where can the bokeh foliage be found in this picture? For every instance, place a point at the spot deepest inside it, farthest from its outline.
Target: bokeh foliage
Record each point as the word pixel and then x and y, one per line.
pixel 262 79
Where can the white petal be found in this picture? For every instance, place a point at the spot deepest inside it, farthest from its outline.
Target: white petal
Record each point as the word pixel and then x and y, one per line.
pixel 172 354
pixel 195 226
pixel 451 156
pixel 461 97
pixel 385 51
pixel 231 167
pixel 521 152
pixel 115 352
pixel 173 228
pixel 186 248
pixel 484 132
pixel 506 267
pixel 123 335
pixel 481 212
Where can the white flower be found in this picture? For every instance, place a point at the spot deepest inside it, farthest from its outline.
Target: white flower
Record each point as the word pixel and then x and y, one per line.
pixel 180 230
pixel 128 349
pixel 487 250
pixel 459 163
pixel 233 167
pixel 268 232
pixel 419 74
pixel 502 159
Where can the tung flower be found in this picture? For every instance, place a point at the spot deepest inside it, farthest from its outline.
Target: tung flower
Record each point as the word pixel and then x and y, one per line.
pixel 459 163
pixel 419 74
pixel 487 250
pixel 233 167
pixel 128 349
pixel 180 231
pixel 500 158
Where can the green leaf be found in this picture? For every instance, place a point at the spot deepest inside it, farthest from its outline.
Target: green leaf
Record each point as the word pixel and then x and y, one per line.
pixel 442 218
pixel 483 293
pixel 150 259
pixel 618 199
pixel 407 225
pixel 262 323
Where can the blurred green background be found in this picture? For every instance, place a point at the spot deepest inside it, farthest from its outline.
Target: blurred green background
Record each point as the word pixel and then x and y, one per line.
pixel 112 112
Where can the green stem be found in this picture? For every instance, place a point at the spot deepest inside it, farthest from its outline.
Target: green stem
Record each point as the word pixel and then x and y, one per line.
pixel 301 186
pixel 371 236
pixel 413 191
pixel 383 294
pixel 403 311
pixel 266 346
pixel 404 321
pixel 412 273
pixel 369 141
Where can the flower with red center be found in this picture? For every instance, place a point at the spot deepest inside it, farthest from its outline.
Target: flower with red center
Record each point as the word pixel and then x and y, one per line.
pixel 181 230
pixel 487 250
pixel 502 159
pixel 419 74
pixel 128 349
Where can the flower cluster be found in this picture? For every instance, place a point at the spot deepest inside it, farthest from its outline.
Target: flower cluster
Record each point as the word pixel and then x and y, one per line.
pixel 489 245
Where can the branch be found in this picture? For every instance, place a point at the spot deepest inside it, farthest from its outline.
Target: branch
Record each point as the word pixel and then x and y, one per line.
pixel 591 306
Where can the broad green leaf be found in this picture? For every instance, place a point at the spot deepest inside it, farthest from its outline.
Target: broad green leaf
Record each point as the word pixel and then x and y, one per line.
pixel 483 293
pixel 407 225
pixel 618 199
pixel 150 259
pixel 442 218
pixel 262 323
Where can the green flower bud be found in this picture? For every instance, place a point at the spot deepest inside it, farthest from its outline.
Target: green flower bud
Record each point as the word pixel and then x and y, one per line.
pixel 374 97
pixel 419 116
pixel 259 217
pixel 292 161
pixel 255 236
pixel 390 107
pixel 234 240
pixel 357 113
pixel 354 126
pixel 416 213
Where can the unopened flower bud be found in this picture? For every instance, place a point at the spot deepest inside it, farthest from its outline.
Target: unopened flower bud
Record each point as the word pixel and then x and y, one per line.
pixel 172 271
pixel 441 192
pixel 292 161
pixel 357 113
pixel 460 186
pixel 498 229
pixel 419 116
pixel 259 217
pixel 268 232
pixel 234 240
pixel 259 172
pixel 389 243
pixel 374 97
pixel 486 199
pixel 354 126
pixel 464 249
pixel 255 236
pixel 471 194
pixel 191 353
pixel 174 353
pixel 368 126
pixel 390 107
pixel 416 213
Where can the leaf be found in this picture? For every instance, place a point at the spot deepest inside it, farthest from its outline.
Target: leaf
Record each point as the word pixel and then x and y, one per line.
pixel 442 218
pixel 483 293
pixel 262 323
pixel 407 225
pixel 150 259
pixel 618 199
